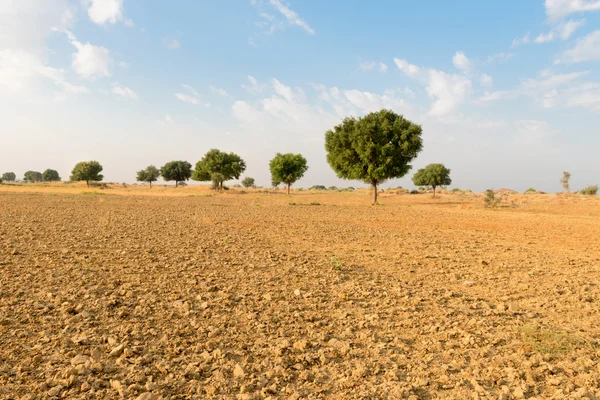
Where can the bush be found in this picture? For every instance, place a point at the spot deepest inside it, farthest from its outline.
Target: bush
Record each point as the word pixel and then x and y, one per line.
pixel 455 190
pixel 318 187
pixel 332 188
pixel 490 199
pixel 414 192
pixel 530 190
pixel 591 190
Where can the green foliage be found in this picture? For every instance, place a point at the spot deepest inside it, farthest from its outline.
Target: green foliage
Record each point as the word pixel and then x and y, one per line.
pixel 317 187
pixel 150 174
pixel 564 181
pixel 217 179
pixel 332 188
pixel 32 176
pixel 287 168
pixel 87 171
pixel 530 190
pixel 373 148
pixel 50 175
pixel 178 171
pixel 9 176
pixel 591 190
pixel 336 263
pixel 229 165
pixel 414 192
pixel 490 199
pixel 433 175
pixel 455 190
pixel 248 182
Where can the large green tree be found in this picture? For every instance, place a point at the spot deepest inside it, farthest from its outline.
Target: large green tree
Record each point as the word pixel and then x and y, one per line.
pixel 218 166
pixel 9 176
pixel 87 171
pixel 149 174
pixel 178 171
pixel 373 148
pixel 32 176
pixel 50 175
pixel 433 175
pixel 287 168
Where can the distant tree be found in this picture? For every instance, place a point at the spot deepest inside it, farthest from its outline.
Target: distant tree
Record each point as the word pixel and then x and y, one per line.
pixel 50 175
pixel 373 148
pixel 591 190
pixel 287 168
pixel 433 175
pixel 32 176
pixel 229 165
pixel 317 187
pixel 9 176
pixel 248 182
pixel 178 171
pixel 490 199
pixel 564 181
pixel 150 174
pixel 87 171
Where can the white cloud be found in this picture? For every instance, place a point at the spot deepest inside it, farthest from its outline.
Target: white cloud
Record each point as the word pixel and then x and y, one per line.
pixel 251 43
pixel 586 49
pixel 522 40
pixel 370 65
pixel 291 16
pixel 190 89
pixel 187 98
pixel 105 11
pixel 254 87
pixel 219 91
pixel 566 30
pixel 90 61
pixel 558 9
pixel 486 80
pixel 448 91
pixel 171 44
pixel 563 31
pixel 370 102
pixel 461 62
pixel 123 91
pixel 383 67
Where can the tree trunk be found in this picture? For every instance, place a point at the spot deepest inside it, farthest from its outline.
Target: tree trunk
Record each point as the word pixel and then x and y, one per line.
pixel 88 183
pixel 374 186
pixel 175 184
pixel 434 192
pixel 150 184
pixel 288 188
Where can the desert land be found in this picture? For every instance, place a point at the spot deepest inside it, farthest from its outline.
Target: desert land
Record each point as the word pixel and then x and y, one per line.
pixel 170 293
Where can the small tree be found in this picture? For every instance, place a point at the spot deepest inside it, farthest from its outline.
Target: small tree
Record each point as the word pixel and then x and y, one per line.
pixel 150 174
pixel 229 165
pixel 9 176
pixel 373 148
pixel 32 176
pixel 490 199
pixel 287 168
pixel 178 171
pixel 564 181
pixel 50 175
pixel 248 182
pixel 87 171
pixel 433 175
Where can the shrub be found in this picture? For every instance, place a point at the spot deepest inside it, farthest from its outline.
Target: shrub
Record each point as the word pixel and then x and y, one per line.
pixel 530 190
pixel 490 199
pixel 455 190
pixel 332 188
pixel 591 190
pixel 317 187
pixel 414 192
pixel 248 182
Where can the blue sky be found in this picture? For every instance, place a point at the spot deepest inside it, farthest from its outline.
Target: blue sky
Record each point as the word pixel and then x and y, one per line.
pixel 507 92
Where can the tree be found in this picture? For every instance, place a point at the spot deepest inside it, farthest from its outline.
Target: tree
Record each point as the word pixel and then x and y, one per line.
pixel 87 171
pixel 32 176
pixel 150 174
pixel 248 182
pixel 373 148
pixel 287 168
pixel 433 175
pixel 178 171
pixel 228 165
pixel 50 175
pixel 9 176
pixel 564 181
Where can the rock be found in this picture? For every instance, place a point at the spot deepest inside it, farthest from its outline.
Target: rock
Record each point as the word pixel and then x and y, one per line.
pixel 116 352
pixel 469 283
pixel 147 396
pixel 79 359
pixel 55 391
pixel 297 292
pixel 85 386
pixel 267 297
pixel 238 372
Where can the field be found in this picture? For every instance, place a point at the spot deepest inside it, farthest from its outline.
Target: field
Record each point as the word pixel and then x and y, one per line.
pixel 174 294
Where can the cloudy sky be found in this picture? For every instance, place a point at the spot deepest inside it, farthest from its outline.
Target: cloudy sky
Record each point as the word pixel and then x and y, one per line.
pixel 507 92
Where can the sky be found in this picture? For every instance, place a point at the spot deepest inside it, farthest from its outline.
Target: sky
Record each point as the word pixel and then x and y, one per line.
pixel 507 92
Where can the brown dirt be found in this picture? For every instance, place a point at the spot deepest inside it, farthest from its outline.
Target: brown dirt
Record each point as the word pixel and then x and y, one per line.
pixel 246 296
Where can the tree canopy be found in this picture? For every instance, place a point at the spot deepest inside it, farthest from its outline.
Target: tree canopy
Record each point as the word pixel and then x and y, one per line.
pixel 218 166
pixel 433 175
pixel 287 168
pixel 178 171
pixel 9 176
pixel 32 176
pixel 564 181
pixel 373 148
pixel 87 171
pixel 149 174
pixel 50 175
pixel 248 182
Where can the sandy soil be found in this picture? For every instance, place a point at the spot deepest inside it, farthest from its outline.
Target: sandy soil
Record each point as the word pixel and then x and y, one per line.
pixel 137 294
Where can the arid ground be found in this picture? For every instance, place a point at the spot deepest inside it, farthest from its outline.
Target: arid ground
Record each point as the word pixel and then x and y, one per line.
pixel 181 294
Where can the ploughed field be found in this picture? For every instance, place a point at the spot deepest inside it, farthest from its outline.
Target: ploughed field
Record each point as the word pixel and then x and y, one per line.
pixel 248 296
